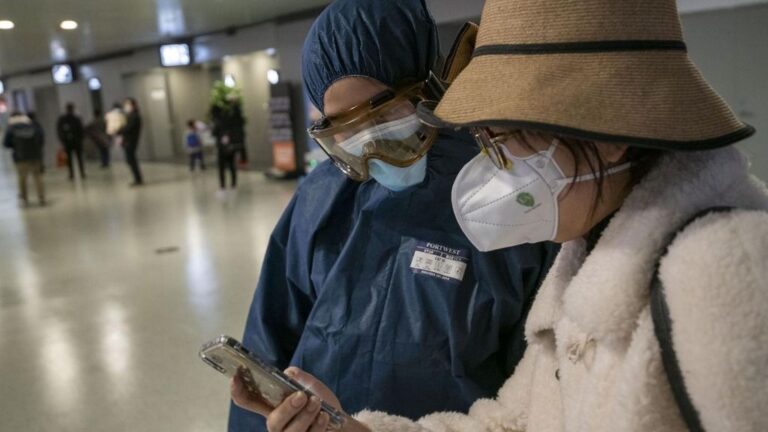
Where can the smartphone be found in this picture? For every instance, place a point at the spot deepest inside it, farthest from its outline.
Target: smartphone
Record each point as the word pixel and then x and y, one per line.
pixel 228 356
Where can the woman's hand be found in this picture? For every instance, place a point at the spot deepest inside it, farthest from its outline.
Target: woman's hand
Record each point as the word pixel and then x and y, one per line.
pixel 297 413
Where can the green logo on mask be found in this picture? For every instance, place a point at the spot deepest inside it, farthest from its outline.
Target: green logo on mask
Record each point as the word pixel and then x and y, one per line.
pixel 525 199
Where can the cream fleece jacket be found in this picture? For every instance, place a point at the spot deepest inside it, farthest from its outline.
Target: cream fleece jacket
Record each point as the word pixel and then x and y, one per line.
pixel 593 362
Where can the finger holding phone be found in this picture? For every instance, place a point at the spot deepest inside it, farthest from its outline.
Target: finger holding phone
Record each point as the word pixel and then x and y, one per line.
pixel 299 412
pixel 292 401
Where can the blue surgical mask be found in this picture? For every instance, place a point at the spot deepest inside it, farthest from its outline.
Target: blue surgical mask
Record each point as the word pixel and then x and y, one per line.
pixel 396 178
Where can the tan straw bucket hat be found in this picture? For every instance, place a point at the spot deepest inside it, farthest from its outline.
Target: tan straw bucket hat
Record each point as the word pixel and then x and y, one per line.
pixel 605 70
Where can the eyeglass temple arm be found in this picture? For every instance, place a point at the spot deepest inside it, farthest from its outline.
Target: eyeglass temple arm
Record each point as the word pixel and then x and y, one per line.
pixel 435 88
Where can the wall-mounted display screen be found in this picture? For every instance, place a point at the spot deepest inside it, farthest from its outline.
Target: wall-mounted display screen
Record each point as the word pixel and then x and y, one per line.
pixel 63 74
pixel 175 55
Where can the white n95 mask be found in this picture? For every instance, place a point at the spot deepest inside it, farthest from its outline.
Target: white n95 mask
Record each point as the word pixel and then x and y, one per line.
pixel 502 208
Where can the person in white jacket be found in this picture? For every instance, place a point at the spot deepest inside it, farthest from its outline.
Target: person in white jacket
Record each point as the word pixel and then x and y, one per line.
pixel 599 132
pixel 115 121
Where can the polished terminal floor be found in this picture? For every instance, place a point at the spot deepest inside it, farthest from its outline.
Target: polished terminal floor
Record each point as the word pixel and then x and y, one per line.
pixel 107 294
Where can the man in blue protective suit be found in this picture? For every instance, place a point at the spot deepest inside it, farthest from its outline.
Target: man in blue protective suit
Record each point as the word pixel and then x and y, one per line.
pixel 369 283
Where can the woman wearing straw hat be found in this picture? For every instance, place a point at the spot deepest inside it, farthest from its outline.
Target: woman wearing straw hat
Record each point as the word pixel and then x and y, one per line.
pixel 599 132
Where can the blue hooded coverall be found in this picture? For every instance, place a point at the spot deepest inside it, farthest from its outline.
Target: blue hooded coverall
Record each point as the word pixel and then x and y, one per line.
pixel 344 291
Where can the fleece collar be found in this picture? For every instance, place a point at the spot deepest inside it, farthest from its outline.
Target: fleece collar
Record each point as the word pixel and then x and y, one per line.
pixel 605 292
pixel 20 119
pixel 547 308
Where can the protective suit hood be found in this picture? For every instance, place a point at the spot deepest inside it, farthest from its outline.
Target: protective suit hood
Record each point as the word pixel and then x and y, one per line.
pixel 390 41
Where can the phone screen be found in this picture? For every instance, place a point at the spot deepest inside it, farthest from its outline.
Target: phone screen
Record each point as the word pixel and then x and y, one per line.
pixel 229 357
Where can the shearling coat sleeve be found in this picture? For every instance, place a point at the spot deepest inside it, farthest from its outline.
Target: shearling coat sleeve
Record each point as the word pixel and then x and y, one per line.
pixel 506 413
pixel 716 283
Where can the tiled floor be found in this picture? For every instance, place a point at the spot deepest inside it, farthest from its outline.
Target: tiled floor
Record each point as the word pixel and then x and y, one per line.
pixel 98 330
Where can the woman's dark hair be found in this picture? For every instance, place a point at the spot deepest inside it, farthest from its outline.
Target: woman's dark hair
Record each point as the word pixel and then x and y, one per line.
pixel 133 103
pixel 585 151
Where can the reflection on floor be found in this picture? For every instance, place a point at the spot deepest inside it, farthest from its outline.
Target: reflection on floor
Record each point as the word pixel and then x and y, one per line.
pixel 107 293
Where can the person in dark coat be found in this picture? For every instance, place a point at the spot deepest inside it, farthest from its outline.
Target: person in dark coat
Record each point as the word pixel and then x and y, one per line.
pixel 131 134
pixel 41 137
pixel 26 139
pixel 97 133
pixel 229 131
pixel 71 133
pixel 371 285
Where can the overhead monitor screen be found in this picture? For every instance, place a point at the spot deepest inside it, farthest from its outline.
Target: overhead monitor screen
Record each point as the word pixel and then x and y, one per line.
pixel 175 55
pixel 63 74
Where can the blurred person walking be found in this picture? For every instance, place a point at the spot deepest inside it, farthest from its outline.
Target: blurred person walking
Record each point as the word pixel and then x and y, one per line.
pixel 237 132
pixel 26 139
pixel 96 131
pixel 70 131
pixel 131 133
pixel 229 130
pixel 3 117
pixel 36 123
pixel 194 146
pixel 39 128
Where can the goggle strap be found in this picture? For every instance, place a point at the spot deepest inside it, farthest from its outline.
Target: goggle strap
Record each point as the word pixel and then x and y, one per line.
pixel 434 88
pixel 382 97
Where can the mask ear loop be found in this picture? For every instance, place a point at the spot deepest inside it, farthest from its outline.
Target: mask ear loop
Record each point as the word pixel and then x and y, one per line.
pixel 546 154
pixel 563 183
pixel 583 177
pixel 608 172
pixel 560 187
pixel 552 148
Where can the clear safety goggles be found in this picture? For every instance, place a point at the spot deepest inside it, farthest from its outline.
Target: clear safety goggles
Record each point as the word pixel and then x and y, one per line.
pixel 385 127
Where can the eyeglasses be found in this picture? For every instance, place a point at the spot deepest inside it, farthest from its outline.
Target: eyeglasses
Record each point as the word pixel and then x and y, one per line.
pixel 490 144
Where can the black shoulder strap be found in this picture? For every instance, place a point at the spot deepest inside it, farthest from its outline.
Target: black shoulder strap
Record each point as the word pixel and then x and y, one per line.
pixel 662 325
